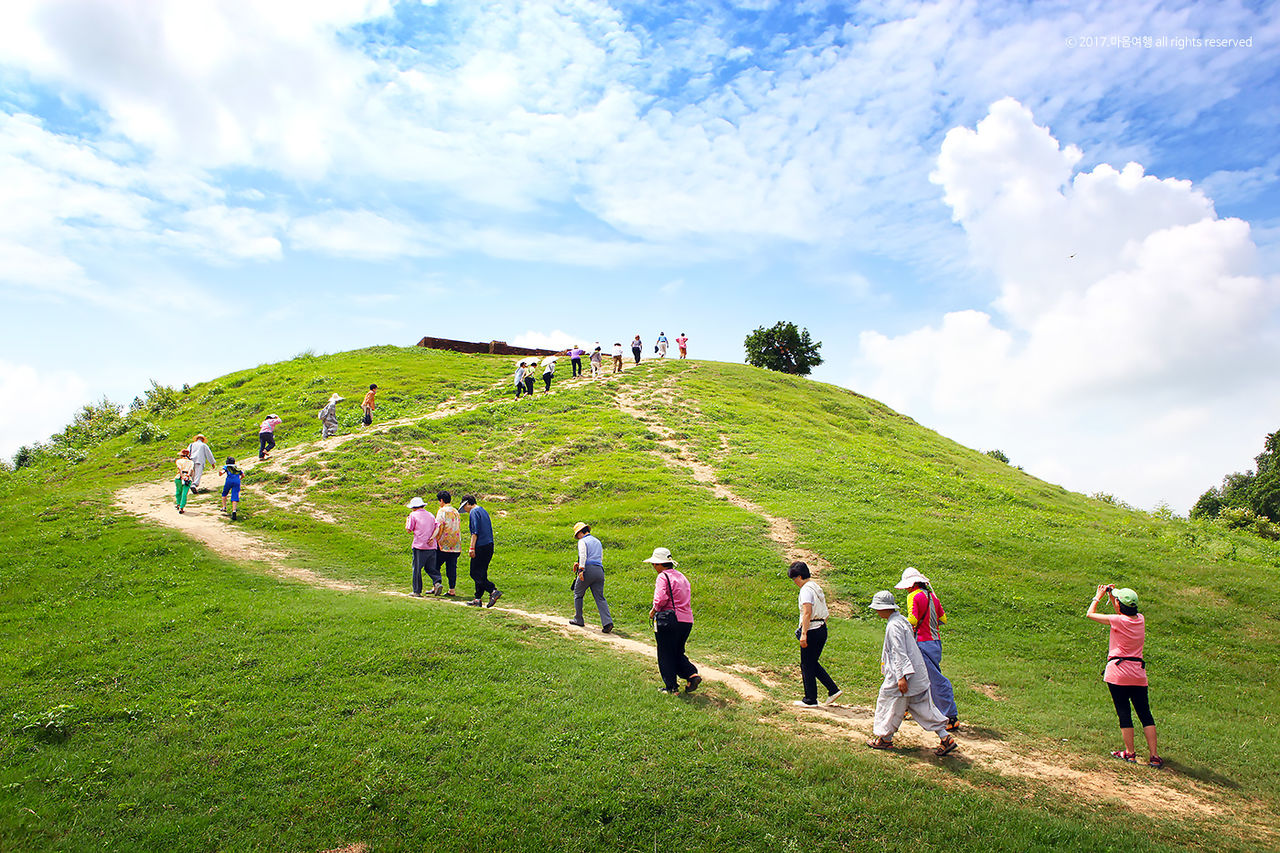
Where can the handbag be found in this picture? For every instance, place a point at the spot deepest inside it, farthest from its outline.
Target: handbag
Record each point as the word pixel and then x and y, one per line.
pixel 368 419
pixel 666 618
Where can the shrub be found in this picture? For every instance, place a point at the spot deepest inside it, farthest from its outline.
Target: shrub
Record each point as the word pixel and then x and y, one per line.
pixel 998 455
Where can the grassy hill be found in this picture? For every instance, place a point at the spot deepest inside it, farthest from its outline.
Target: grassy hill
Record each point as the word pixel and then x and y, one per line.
pixel 157 695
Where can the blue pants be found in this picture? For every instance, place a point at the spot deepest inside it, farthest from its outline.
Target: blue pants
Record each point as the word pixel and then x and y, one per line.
pixel 939 687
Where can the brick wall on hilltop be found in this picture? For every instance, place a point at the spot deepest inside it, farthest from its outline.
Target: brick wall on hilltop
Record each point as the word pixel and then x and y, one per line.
pixel 490 348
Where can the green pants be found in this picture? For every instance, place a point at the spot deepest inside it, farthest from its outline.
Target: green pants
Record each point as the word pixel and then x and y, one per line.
pixel 181 488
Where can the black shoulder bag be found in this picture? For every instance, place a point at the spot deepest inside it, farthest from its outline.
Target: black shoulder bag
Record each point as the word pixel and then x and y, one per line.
pixel 666 618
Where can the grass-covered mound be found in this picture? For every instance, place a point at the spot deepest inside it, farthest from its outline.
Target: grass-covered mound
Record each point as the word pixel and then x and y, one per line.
pixel 159 697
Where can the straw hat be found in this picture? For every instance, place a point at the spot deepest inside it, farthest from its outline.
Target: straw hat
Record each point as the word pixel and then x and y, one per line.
pixel 661 555
pixel 883 600
pixel 910 577
pixel 416 502
pixel 579 527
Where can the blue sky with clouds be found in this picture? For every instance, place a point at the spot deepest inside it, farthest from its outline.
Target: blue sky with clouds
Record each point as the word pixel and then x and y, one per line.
pixel 997 217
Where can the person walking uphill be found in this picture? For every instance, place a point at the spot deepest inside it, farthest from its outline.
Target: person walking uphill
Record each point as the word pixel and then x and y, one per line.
pixel 481 551
pixel 672 615
pixel 1126 672
pixel 182 482
pixel 448 541
pixel 548 371
pixel 575 360
pixel 368 405
pixel 328 416
pixel 422 524
pixel 636 347
pixel 924 612
pixel 588 574
pixel 201 455
pixel 267 436
pixel 906 682
pixel 519 377
pixel 617 357
pixel 812 635
pixel 231 488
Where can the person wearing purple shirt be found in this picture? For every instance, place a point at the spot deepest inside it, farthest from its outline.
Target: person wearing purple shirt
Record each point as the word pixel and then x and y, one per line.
pixel 575 354
pixel 671 592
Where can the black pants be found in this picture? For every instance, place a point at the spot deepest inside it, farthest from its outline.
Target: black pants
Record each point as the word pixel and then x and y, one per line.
pixel 811 672
pixel 636 352
pixel 449 560
pixel 519 389
pixel 424 559
pixel 1122 695
pixel 672 661
pixel 528 386
pixel 576 364
pixel 480 569
pixel 546 377
pixel 266 441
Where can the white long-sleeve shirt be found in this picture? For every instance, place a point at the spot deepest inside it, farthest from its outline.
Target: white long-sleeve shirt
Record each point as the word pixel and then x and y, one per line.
pixel 900 657
pixel 201 453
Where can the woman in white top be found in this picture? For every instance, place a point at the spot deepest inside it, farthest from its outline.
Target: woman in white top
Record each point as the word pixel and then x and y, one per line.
pixel 812 635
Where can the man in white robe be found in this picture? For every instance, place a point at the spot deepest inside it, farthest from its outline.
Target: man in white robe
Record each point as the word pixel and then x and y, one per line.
pixel 906 682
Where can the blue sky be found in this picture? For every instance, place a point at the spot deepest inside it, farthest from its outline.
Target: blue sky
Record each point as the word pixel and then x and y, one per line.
pixel 997 217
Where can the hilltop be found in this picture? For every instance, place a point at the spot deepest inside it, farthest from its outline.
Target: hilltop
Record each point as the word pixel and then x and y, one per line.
pixel 176 681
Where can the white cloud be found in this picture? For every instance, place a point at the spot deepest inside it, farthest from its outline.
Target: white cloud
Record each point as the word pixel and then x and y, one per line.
pixel 35 404
pixel 1122 297
pixel 557 340
pixel 360 234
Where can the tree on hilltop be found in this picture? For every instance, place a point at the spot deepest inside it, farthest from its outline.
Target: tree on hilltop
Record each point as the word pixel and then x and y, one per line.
pixel 784 348
pixel 1253 494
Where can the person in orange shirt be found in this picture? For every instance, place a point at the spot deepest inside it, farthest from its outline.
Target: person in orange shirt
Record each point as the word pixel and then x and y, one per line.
pixel 368 405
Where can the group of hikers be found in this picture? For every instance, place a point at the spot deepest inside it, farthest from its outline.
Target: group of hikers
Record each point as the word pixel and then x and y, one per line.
pixel 528 369
pixel 911 655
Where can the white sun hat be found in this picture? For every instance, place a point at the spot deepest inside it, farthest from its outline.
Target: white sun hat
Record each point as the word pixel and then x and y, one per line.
pixel 416 502
pixel 910 577
pixel 335 397
pixel 883 600
pixel 661 555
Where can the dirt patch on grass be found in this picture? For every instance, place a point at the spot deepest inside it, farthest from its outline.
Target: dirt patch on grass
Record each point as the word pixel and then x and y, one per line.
pixel 991 691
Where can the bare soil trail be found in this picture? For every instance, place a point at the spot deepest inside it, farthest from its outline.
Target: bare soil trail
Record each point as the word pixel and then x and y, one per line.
pixel 1132 787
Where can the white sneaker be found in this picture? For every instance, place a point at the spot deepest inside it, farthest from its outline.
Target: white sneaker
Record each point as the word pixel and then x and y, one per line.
pixel 800 703
pixel 831 700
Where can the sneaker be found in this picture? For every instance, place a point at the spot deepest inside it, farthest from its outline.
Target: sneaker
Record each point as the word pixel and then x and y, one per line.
pixel 694 681
pixel 475 602
pixel 435 590
pixel 417 595
pixel 607 629
pixel 832 697
pixel 577 624
pixel 233 516
pixel 800 703
pixel 451 594
pixel 669 691
pixel 494 596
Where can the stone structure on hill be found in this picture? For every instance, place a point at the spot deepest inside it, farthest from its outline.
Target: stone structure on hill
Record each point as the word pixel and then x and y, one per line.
pixel 491 348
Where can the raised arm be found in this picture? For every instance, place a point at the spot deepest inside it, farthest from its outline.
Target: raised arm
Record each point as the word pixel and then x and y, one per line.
pixel 1092 612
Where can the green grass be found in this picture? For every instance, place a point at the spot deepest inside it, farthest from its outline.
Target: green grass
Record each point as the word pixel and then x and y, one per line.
pixel 208 707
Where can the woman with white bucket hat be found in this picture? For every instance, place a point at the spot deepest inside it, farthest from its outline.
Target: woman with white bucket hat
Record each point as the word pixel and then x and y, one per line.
pixel 906 682
pixel 924 611
pixel 672 615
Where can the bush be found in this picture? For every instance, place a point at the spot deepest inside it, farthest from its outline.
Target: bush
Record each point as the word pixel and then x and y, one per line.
pixel 998 455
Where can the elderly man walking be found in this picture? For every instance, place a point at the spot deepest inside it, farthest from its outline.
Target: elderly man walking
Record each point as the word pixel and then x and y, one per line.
pixel 201 455
pixel 906 682
pixel 589 575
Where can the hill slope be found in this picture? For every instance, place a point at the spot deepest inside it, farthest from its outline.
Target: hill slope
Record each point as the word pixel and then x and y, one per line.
pixel 371 704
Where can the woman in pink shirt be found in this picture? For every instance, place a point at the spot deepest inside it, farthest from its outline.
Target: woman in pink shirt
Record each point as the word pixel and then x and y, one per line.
pixel 1126 672
pixel 672 615
pixel 422 524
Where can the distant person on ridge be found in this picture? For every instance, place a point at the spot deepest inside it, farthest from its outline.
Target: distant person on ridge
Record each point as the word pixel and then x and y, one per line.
pixel 636 346
pixel 924 612
pixel 328 416
pixel 448 541
pixel 1126 672
pixel 529 378
pixel 588 573
pixel 672 615
pixel 267 435
pixel 231 486
pixel 368 404
pixel 617 357
pixel 201 455
pixel 683 343
pixel 422 524
pixel 661 346
pixel 182 482
pixel 595 363
pixel 812 635
pixel 906 682
pixel 575 360
pixel 481 551
pixel 548 371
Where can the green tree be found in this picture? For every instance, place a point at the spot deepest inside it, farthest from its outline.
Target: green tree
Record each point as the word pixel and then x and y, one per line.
pixel 784 348
pixel 1258 491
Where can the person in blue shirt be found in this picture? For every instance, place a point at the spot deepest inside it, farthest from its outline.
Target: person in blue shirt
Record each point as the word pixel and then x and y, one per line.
pixel 589 575
pixel 231 488
pixel 481 551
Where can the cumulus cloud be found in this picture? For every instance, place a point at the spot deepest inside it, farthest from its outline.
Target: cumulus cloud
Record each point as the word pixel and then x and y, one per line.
pixel 1123 299
pixel 34 404
pixel 557 340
